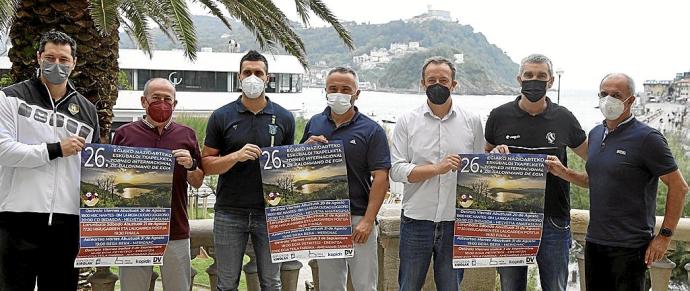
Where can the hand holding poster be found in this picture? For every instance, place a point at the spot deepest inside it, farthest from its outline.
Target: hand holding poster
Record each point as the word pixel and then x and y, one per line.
pixel 124 219
pixel 499 210
pixel 307 205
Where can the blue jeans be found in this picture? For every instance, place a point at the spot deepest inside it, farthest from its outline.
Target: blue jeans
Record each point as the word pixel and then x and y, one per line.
pixel 552 259
pixel 231 229
pixel 419 240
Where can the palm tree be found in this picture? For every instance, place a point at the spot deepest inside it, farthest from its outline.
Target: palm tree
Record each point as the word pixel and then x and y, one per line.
pixel 95 24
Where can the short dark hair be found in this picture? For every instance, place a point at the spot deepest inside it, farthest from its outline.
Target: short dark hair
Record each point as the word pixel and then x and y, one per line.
pixel 57 37
pixel 437 60
pixel 253 55
pixel 345 70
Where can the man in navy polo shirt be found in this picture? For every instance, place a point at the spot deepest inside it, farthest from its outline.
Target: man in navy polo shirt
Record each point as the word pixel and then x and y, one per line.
pixel 533 124
pixel 626 159
pixel 157 130
pixel 234 136
pixel 367 156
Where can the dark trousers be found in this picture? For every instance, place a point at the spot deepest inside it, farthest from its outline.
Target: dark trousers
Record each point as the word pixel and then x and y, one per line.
pixel 610 268
pixel 32 251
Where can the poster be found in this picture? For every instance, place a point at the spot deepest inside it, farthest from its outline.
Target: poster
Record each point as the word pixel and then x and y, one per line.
pixel 124 218
pixel 307 201
pixel 499 210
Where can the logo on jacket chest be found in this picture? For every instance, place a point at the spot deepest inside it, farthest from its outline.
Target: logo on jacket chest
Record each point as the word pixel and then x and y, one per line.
pixel 73 108
pixel 550 137
pixel 272 129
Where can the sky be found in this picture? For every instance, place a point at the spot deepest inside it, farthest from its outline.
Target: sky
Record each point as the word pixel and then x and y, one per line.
pixel 586 39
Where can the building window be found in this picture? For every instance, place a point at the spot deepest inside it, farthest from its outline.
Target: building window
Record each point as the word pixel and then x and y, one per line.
pixel 190 81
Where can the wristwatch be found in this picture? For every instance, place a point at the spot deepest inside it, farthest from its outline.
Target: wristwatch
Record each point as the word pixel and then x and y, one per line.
pixel 665 231
pixel 194 166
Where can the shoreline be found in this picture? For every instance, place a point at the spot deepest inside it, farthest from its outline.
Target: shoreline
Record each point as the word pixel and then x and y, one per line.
pixel 411 91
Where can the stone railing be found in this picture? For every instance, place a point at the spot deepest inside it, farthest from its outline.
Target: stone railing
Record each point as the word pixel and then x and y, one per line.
pixel 478 279
pixel 202 237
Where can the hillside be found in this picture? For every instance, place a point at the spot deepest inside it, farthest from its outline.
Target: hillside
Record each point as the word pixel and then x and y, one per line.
pixel 486 68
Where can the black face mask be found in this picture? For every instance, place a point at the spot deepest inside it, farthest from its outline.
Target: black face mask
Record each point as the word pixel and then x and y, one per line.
pixel 534 90
pixel 437 93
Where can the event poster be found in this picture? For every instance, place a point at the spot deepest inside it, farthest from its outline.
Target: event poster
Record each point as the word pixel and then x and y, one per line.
pixel 499 210
pixel 124 219
pixel 307 201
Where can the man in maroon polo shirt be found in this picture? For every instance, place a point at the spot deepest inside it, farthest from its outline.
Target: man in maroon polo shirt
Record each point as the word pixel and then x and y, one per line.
pixel 157 130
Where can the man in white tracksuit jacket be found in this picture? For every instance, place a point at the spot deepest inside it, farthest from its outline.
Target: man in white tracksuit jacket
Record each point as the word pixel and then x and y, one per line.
pixel 44 124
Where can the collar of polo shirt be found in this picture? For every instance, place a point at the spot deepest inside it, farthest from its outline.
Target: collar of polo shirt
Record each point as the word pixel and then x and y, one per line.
pixel 153 126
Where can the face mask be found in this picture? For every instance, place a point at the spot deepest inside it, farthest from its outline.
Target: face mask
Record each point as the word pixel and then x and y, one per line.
pixel 160 111
pixel 534 90
pixel 55 73
pixel 437 93
pixel 252 87
pixel 338 102
pixel 611 108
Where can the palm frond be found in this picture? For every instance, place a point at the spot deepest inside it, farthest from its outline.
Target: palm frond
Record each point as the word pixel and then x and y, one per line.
pixel 7 11
pixel 303 9
pixel 155 11
pixel 137 25
pixel 182 25
pixel 321 10
pixel 247 20
pixel 213 7
pixel 105 15
pixel 269 25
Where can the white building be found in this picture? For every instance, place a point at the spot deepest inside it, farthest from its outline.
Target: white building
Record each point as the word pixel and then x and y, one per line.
pixel 432 14
pixel 202 86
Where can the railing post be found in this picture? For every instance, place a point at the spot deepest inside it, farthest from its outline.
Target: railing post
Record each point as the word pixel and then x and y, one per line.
pixel 314 265
pixel 389 239
pixel 661 274
pixel 201 235
pixel 687 269
pixel 103 279
pixel 289 275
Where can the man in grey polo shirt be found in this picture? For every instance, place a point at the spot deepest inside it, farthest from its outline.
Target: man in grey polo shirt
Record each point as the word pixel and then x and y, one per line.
pixel 424 156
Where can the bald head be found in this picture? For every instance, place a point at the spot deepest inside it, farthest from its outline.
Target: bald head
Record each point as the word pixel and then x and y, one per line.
pixel 158 89
pixel 159 84
pixel 622 82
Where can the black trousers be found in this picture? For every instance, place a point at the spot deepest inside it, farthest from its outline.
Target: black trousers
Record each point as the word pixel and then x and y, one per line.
pixel 610 268
pixel 30 250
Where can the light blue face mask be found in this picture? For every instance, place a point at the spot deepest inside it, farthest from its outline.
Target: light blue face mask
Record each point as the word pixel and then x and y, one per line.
pixel 55 73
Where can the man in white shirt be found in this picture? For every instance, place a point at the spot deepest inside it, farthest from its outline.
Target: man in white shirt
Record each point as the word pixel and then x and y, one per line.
pixel 424 156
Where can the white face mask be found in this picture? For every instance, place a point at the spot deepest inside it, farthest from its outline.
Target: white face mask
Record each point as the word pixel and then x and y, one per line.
pixel 339 102
pixel 612 108
pixel 252 87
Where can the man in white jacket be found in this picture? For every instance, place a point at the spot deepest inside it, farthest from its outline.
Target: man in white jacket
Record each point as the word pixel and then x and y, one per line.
pixel 44 124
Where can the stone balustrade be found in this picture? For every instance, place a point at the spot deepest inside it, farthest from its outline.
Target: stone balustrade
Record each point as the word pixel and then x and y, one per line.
pixel 478 279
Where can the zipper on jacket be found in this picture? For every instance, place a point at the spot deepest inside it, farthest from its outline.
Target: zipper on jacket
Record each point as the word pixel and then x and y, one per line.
pixel 57 162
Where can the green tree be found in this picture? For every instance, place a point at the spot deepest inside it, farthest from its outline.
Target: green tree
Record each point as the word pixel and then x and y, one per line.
pixel 95 24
